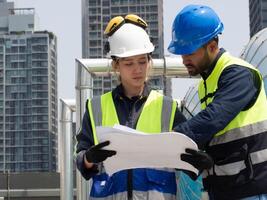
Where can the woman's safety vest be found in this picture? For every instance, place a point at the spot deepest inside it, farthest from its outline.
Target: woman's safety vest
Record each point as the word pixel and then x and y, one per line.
pixel 240 149
pixel 157 116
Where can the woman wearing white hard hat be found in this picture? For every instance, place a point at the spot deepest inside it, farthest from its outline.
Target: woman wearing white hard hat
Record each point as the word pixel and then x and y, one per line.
pixel 134 104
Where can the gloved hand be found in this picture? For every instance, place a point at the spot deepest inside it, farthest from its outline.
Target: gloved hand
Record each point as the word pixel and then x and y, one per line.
pixel 198 159
pixel 96 154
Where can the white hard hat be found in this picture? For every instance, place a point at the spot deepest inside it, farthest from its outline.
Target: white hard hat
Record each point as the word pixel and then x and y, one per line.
pixel 129 40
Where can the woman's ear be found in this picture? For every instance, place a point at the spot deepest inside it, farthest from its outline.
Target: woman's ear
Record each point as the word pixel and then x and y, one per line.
pixel 115 65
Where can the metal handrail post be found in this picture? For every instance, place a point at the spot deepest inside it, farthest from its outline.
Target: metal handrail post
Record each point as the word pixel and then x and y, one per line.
pixel 83 89
pixel 66 149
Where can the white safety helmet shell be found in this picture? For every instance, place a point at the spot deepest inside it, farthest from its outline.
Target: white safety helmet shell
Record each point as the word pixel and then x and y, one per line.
pixel 129 40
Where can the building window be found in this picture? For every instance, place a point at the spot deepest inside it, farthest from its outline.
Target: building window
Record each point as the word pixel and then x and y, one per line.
pixel 30 25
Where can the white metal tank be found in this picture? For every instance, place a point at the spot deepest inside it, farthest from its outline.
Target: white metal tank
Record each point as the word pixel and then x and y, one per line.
pixel 255 51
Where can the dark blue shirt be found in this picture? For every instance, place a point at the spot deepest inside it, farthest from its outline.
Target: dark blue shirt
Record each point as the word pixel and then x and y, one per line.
pixel 238 88
pixel 128 109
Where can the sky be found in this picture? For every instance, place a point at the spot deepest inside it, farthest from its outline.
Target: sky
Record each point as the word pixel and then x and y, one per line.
pixel 63 18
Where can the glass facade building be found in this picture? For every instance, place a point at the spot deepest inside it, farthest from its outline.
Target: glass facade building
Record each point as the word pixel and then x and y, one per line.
pixel 257 15
pixel 28 97
pixel 28 102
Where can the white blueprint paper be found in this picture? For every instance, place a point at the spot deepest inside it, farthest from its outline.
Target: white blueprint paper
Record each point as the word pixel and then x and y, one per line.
pixel 139 150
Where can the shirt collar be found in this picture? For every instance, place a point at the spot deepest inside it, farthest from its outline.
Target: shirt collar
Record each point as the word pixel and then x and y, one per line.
pixel 118 92
pixel 207 72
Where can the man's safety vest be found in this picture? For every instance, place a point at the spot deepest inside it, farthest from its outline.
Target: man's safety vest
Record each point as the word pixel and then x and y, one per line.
pixel 157 116
pixel 240 149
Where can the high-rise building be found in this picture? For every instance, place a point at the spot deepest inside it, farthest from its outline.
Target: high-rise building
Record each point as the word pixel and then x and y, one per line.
pixel 97 13
pixel 28 93
pixel 257 15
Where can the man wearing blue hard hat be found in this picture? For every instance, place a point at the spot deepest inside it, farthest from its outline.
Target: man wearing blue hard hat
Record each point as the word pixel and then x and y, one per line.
pixel 232 126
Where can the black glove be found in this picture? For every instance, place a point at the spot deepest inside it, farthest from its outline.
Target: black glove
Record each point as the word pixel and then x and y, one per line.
pixel 96 154
pixel 198 159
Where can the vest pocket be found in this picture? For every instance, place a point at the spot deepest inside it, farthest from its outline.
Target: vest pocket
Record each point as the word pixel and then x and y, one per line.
pixel 236 162
pixel 232 171
pixel 239 155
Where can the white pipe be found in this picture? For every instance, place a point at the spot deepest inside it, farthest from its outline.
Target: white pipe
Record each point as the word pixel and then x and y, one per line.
pixel 66 149
pixel 83 88
pixel 174 66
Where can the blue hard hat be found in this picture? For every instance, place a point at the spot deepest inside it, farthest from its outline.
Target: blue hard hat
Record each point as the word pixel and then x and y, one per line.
pixel 193 27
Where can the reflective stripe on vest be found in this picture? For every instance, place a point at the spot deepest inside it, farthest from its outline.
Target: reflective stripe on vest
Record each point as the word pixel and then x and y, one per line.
pixel 139 195
pixel 235 167
pixel 239 133
pixel 248 123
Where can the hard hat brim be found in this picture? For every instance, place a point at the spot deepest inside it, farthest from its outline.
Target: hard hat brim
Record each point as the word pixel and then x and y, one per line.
pixel 132 53
pixel 177 49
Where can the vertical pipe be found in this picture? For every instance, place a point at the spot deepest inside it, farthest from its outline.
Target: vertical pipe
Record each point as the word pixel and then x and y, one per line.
pixel 8 184
pixel 66 149
pixel 164 76
pixel 83 88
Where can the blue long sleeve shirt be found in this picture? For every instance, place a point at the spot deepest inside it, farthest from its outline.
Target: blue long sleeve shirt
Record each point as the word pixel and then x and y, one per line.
pixel 238 88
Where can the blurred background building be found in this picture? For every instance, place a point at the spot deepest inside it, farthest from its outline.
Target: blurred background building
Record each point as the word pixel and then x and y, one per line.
pixel 28 107
pixel 28 92
pixel 257 15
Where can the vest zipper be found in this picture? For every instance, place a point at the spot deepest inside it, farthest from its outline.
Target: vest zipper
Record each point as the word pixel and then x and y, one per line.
pixel 130 124
pixel 129 184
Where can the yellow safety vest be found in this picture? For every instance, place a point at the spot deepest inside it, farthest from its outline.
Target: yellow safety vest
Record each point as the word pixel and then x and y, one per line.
pixel 238 150
pixel 257 113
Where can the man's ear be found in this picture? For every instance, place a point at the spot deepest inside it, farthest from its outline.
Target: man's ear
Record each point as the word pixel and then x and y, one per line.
pixel 213 46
